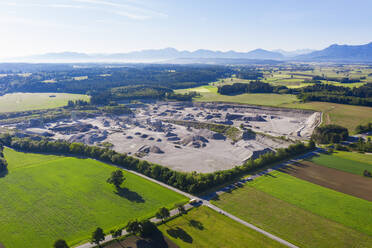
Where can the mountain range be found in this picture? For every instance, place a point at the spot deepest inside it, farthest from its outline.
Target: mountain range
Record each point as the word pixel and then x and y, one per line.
pixel 340 53
pixel 333 53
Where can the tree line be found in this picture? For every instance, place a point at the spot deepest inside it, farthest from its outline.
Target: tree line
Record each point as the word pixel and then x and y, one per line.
pixel 337 94
pixel 364 128
pixel 189 182
pixel 3 162
pixel 251 87
pixel 361 146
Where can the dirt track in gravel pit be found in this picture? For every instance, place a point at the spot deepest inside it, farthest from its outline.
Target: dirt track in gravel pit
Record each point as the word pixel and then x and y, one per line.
pixel 341 181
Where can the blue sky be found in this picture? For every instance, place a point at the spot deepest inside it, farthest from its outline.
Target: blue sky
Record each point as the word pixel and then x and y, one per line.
pixel 39 26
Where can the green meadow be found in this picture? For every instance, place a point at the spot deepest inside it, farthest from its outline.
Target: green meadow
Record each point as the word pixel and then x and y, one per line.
pixel 350 162
pixel 33 101
pixel 288 221
pixel 204 227
pixel 347 210
pixel 46 197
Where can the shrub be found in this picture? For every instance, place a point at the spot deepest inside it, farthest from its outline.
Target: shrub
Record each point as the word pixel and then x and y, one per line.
pixel 330 134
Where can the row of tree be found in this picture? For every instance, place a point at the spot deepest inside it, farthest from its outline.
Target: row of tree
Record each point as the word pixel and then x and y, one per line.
pixel 344 80
pixel 361 145
pixel 3 162
pixel 189 182
pixel 364 128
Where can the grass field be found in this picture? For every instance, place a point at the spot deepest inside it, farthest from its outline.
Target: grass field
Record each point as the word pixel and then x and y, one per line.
pixel 350 211
pixel 45 197
pixel 203 227
pixel 348 116
pixel 33 101
pixel 209 94
pixel 350 162
pixel 288 221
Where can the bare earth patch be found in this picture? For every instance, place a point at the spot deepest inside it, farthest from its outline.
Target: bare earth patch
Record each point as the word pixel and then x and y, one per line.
pixel 186 136
pixel 341 181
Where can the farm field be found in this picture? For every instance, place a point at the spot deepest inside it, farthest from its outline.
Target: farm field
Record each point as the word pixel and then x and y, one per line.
pixel 66 197
pixel 209 94
pixel 351 162
pixel 203 227
pixel 341 181
pixel 348 116
pixel 290 222
pixel 319 200
pixel 32 101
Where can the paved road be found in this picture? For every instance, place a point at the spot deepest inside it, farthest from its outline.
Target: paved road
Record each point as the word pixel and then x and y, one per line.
pixel 204 200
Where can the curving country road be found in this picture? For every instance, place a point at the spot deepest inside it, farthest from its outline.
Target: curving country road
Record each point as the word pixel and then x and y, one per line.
pixel 205 200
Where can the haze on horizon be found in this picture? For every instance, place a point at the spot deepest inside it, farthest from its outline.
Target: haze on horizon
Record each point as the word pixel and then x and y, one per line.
pixel 108 26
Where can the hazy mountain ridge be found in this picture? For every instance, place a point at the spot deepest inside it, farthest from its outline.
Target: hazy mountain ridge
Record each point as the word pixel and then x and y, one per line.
pixel 333 53
pixel 160 54
pixel 352 53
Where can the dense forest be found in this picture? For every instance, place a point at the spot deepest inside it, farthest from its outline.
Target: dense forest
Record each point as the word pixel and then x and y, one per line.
pixel 94 79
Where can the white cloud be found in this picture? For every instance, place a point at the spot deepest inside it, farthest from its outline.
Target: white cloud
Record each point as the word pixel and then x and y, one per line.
pixel 130 9
pixel 127 10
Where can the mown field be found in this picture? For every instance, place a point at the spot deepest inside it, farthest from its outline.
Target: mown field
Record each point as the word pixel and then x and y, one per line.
pixel 45 197
pixel 288 221
pixel 348 116
pixel 302 212
pixel 351 162
pixel 350 211
pixel 32 101
pixel 203 227
pixel 209 94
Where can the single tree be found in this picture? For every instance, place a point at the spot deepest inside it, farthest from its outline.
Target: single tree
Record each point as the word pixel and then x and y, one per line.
pixel 133 227
pixel 162 214
pixel 116 233
pixel 97 236
pixel 117 178
pixel 147 228
pixel 181 208
pixel 367 173
pixel 60 243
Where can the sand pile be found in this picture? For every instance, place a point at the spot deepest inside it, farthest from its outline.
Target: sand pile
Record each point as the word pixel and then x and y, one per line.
pixel 195 141
pixel 147 149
